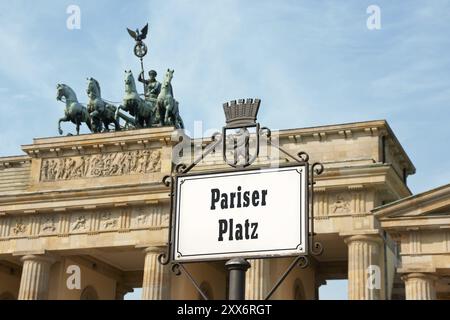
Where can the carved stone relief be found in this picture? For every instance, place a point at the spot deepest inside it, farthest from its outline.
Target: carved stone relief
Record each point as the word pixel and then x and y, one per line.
pixel 19 227
pixel 101 165
pixel 79 222
pixel 141 216
pixel 341 203
pixel 151 216
pixel 48 224
pixel 108 220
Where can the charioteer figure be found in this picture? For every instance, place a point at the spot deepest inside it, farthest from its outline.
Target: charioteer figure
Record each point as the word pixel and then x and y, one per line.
pixel 152 86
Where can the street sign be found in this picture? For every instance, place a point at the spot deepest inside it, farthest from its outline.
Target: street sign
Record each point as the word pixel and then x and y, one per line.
pixel 253 213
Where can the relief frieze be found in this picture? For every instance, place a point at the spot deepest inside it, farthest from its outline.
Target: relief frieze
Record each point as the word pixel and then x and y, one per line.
pixel 101 165
pixel 79 222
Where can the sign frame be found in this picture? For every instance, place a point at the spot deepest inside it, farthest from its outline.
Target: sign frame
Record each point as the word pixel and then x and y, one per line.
pixel 304 229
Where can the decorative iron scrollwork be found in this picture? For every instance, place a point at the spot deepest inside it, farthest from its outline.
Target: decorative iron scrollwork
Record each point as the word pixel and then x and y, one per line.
pixel 167 181
pixel 303 262
pixel 180 168
pixel 264 131
pixel 315 247
pixel 164 258
pixel 318 168
pixel 176 269
pixel 303 156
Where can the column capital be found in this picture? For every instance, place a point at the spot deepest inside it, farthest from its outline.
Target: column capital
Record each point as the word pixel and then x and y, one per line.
pixel 419 275
pixel 46 258
pixel 34 282
pixel 364 252
pixel 363 237
pixel 420 286
pixel 157 249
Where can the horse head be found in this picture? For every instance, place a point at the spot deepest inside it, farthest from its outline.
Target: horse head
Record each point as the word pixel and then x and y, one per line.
pixel 129 80
pixel 59 91
pixel 63 90
pixel 93 90
pixel 168 77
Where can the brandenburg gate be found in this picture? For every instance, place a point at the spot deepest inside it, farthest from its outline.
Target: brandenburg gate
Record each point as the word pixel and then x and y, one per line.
pixel 87 216
pixel 95 204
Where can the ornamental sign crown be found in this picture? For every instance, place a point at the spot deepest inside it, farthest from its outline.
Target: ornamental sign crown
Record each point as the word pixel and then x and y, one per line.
pixel 240 117
pixel 241 112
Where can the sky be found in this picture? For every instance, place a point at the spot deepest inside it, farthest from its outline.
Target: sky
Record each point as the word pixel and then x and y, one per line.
pixel 310 62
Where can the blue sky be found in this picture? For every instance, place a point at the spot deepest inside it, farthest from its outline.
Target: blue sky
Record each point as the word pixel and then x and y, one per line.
pixel 311 62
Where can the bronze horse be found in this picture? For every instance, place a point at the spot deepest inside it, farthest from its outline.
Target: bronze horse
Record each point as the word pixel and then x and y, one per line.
pixel 74 111
pixel 100 111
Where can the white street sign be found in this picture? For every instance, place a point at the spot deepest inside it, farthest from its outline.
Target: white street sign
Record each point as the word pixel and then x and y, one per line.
pixel 248 213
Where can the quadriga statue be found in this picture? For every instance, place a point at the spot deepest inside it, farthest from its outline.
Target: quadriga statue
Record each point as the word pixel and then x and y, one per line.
pixel 153 111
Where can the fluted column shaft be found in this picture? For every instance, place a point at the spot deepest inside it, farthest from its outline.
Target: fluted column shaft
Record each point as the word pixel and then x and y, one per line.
pixel 364 255
pixel 155 283
pixel 257 279
pixel 420 286
pixel 35 278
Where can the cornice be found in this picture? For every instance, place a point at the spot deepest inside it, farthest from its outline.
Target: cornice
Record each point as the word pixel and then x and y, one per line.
pixel 99 142
pixel 374 175
pixel 344 129
pixel 10 161
pixel 347 131
pixel 416 223
pixel 439 196
pixel 341 131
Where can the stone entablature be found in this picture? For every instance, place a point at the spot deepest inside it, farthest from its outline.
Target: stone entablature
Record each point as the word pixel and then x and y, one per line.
pixel 116 167
pixel 84 221
pixel 101 160
pixel 133 226
pixel 341 146
pixel 378 143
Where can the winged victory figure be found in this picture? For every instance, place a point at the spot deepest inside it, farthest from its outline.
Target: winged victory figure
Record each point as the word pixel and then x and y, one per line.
pixel 139 35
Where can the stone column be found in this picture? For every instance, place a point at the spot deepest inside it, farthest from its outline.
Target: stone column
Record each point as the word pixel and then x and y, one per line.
pixel 35 278
pixel 155 284
pixel 420 286
pixel 365 275
pixel 257 279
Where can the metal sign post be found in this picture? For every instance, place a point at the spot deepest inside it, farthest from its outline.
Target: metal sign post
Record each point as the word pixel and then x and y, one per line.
pixel 237 268
pixel 237 214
